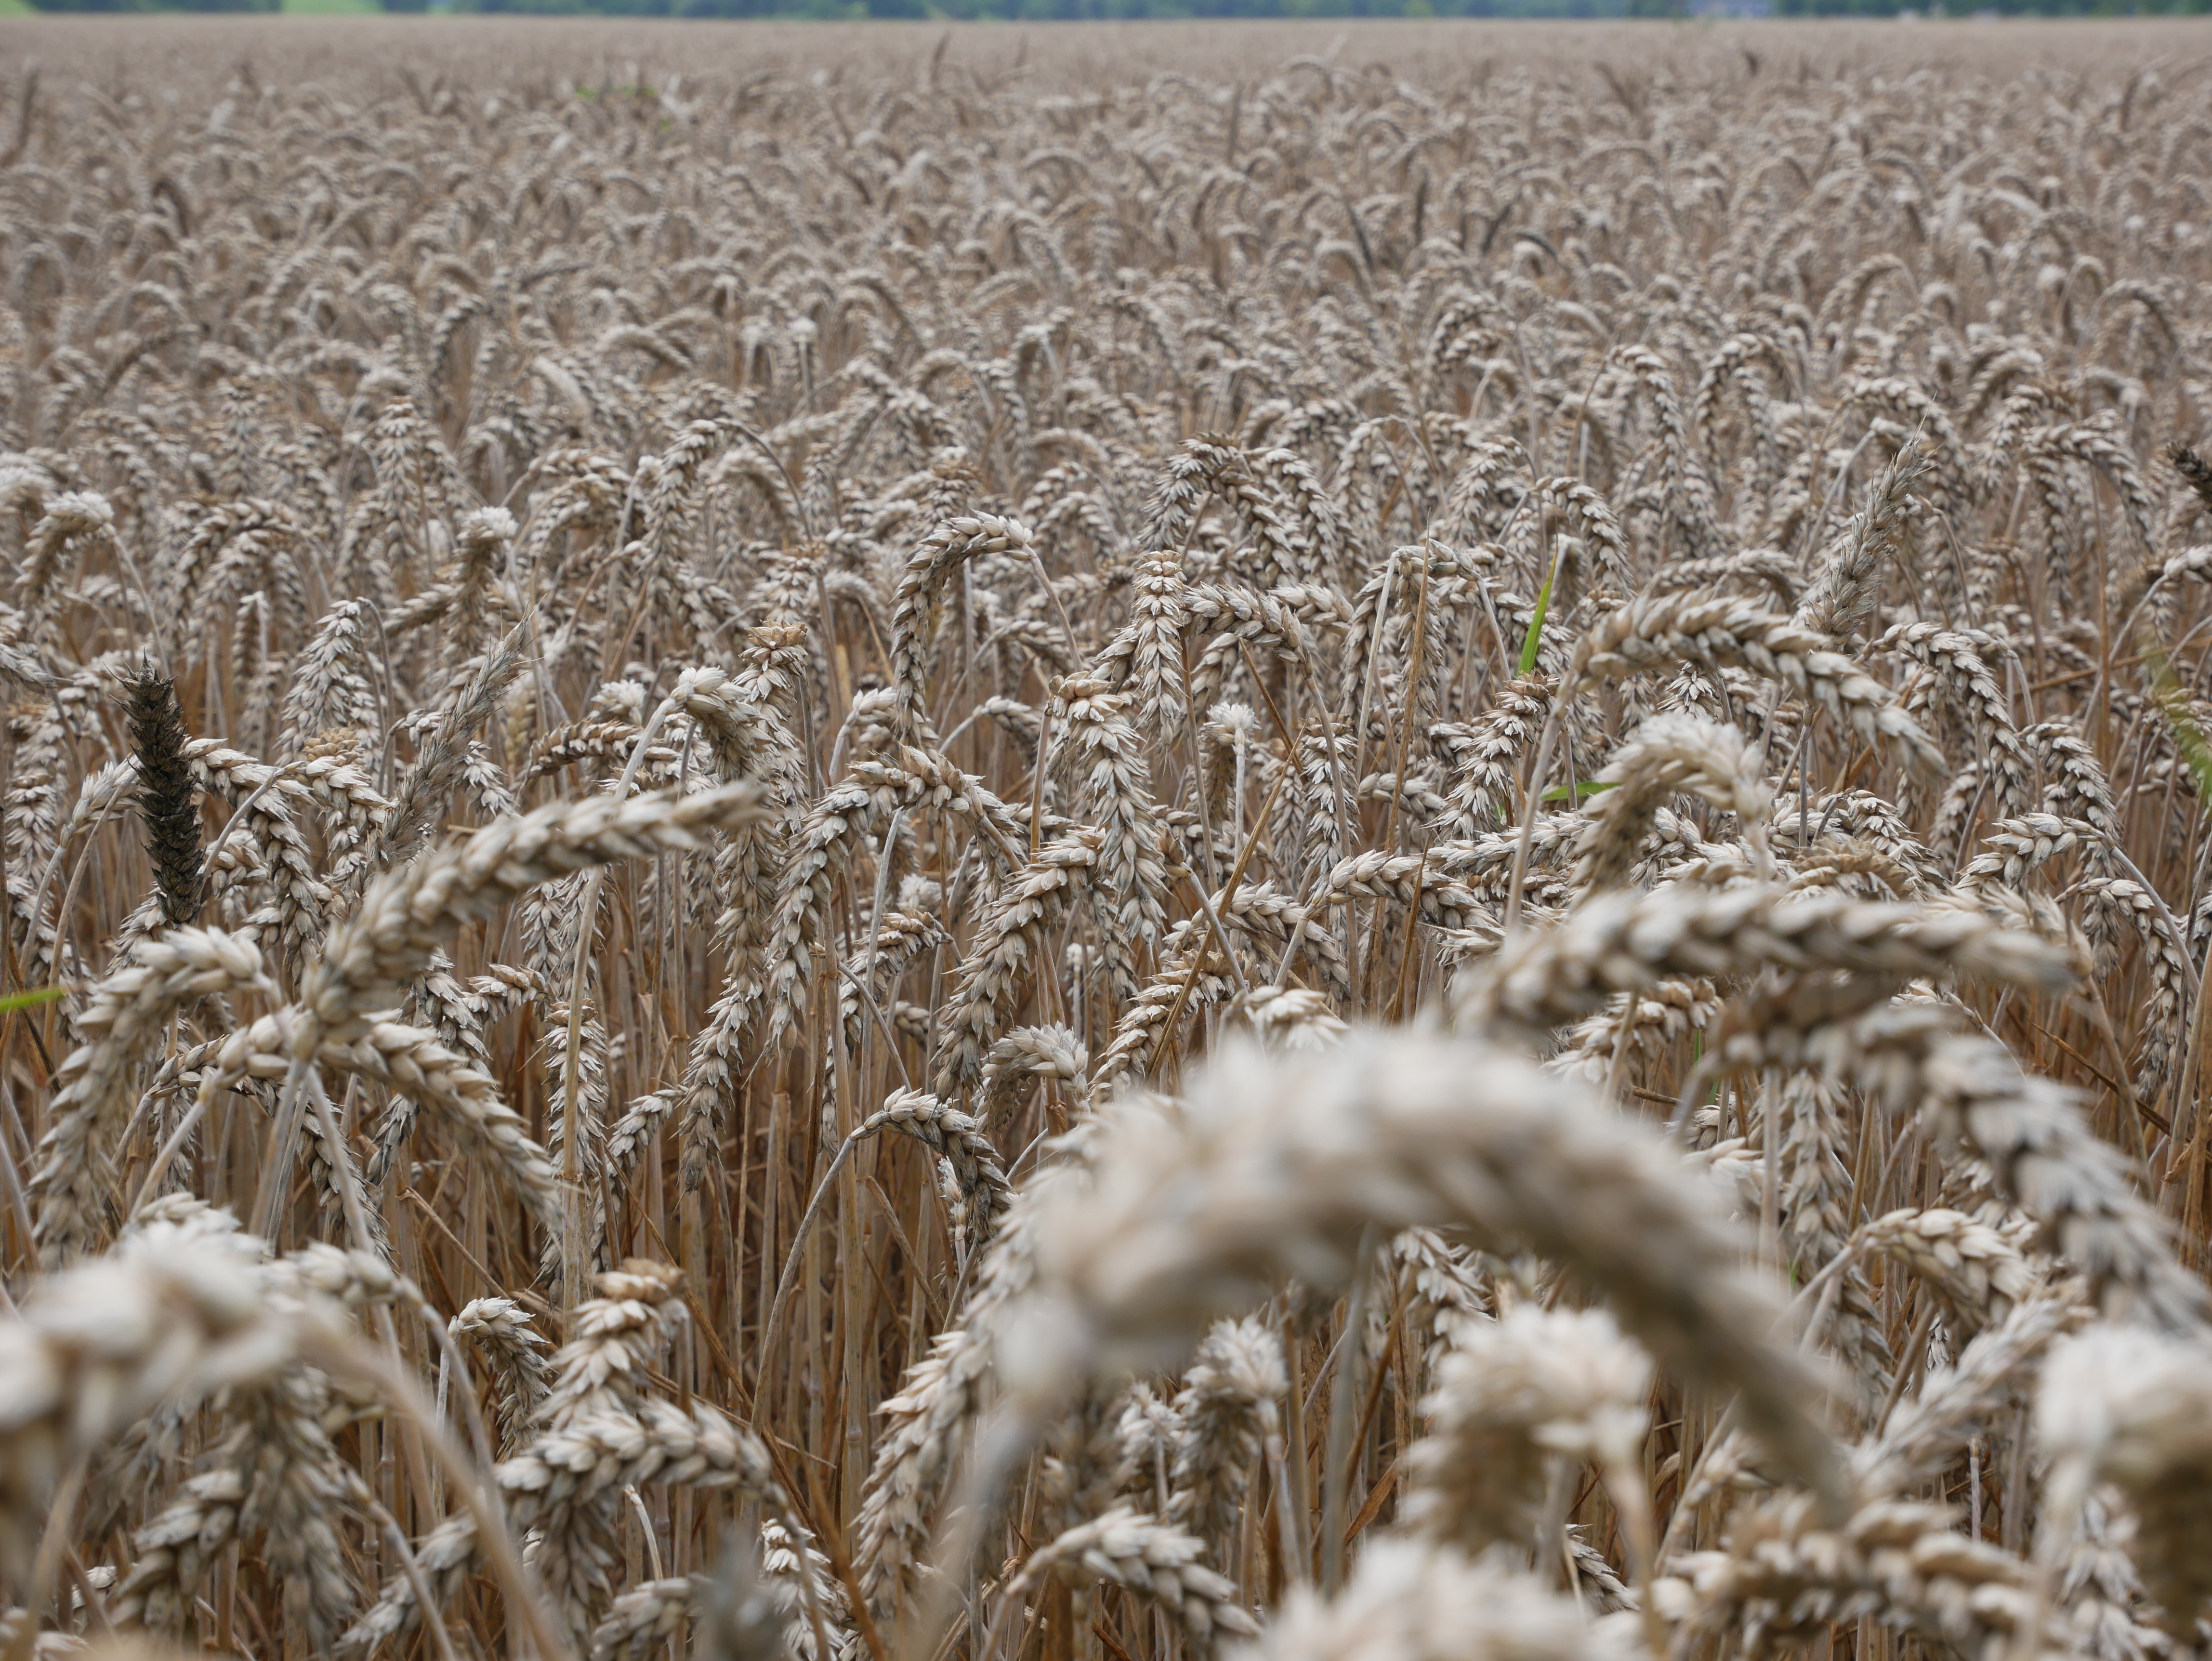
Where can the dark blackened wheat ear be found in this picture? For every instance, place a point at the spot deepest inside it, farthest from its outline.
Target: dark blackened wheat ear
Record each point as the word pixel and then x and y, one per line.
pixel 166 794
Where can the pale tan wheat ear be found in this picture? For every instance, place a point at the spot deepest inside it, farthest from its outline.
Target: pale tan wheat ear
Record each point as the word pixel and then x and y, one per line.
pixel 1666 756
pixel 2128 1408
pixel 402 919
pixel 106 1344
pixel 1841 597
pixel 1625 941
pixel 1714 631
pixel 1124 1547
pixel 1511 1398
pixel 2026 1135
pixel 75 1177
pixel 1229 1405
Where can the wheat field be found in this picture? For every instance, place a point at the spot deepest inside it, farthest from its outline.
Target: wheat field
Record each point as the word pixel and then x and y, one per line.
pixel 1325 844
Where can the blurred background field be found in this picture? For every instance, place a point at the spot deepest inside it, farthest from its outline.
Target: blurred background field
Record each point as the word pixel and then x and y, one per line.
pixel 185 52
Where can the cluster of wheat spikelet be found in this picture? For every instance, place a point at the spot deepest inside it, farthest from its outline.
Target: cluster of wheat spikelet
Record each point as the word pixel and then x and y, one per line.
pixel 900 871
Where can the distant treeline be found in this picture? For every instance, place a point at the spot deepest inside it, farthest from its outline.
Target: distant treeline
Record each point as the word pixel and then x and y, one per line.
pixel 1047 10
pixel 165 5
